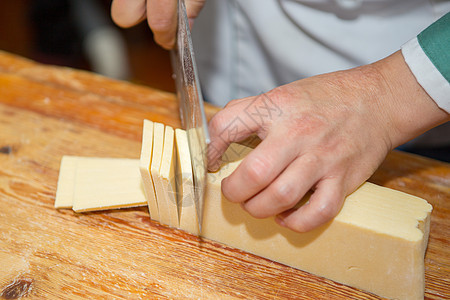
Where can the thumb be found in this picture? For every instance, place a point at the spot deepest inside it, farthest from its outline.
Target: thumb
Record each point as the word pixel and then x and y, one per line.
pixel 237 121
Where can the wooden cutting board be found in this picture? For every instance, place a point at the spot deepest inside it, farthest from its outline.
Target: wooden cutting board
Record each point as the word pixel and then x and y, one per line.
pixel 47 112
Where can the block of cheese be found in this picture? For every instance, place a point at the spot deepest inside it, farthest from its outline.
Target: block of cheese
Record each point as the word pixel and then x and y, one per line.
pixel 107 183
pixel 168 179
pixel 376 243
pixel 185 185
pixel 144 167
pixel 66 182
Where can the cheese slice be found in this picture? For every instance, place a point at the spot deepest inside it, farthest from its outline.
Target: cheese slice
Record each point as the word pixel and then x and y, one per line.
pixel 107 183
pixel 66 182
pixel 144 167
pixel 156 160
pixel 185 185
pixel 168 179
pixel 376 243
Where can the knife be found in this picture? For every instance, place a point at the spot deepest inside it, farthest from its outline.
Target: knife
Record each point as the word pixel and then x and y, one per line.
pixel 192 112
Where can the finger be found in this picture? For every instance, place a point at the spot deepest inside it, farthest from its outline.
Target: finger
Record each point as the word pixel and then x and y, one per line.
pixel 193 8
pixel 162 19
pixel 259 169
pixel 232 124
pixel 127 13
pixel 286 190
pixel 324 205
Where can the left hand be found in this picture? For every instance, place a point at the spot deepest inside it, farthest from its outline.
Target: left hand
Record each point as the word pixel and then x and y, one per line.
pixel 161 16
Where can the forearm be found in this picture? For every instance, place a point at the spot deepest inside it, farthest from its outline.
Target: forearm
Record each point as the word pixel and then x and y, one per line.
pixel 408 107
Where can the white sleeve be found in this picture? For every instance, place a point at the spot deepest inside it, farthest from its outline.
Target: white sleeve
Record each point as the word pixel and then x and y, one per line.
pixel 427 75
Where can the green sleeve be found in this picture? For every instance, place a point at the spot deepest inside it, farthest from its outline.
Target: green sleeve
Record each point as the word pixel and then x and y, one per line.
pixel 435 42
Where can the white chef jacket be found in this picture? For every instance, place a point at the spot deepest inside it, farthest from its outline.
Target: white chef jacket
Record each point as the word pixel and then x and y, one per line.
pixel 246 47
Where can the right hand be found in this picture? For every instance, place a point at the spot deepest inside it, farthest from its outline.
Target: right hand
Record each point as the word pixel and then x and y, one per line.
pixel 161 16
pixel 326 134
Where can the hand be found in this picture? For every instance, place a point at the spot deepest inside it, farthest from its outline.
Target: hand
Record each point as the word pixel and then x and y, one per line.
pixel 161 16
pixel 327 134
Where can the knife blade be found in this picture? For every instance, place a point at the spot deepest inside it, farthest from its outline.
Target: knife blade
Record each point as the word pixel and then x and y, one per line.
pixel 190 100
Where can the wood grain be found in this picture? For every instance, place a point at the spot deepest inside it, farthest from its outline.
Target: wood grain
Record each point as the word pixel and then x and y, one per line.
pixel 48 112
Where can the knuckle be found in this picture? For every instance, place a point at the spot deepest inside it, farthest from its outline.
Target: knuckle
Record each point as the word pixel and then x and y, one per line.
pixel 281 96
pixel 216 124
pixel 283 194
pixel 277 94
pixel 255 213
pixel 232 103
pixel 327 211
pixel 160 24
pixel 311 159
pixel 257 170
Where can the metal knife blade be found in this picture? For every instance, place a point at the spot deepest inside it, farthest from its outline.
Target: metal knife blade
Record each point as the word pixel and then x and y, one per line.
pixel 191 106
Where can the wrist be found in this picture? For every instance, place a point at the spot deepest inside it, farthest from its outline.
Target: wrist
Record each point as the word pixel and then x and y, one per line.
pixel 408 110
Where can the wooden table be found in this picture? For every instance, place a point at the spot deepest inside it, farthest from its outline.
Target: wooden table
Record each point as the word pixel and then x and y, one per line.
pixel 47 112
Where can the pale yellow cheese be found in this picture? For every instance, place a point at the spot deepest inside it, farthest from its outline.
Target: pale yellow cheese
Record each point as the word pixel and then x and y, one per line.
pixel 156 160
pixel 186 203
pixel 144 167
pixel 167 175
pixel 66 182
pixel 376 243
pixel 106 183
